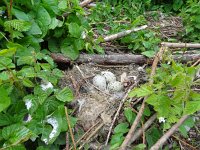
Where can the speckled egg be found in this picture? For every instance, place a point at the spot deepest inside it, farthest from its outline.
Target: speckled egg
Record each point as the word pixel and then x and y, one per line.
pixel 115 86
pixel 110 77
pixel 100 82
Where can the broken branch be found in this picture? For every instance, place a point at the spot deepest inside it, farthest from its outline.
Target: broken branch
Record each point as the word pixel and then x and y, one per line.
pixel 123 33
pixel 180 45
pixel 85 2
pixel 166 136
pixel 119 59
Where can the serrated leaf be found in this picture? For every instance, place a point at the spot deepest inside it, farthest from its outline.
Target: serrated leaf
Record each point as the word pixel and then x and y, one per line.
pixel 4 99
pixel 27 83
pixel 130 115
pixel 121 128
pixel 8 52
pixel 5 75
pixel 191 107
pixel 144 90
pixel 26 60
pixel 148 53
pixel 6 63
pixel 152 136
pixel 65 95
pixel 19 25
pixel 5 119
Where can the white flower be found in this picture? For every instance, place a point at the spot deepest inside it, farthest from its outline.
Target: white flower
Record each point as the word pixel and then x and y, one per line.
pixel 45 141
pixel 46 86
pixel 28 104
pixel 54 123
pixel 161 119
pixel 29 118
pixel 83 35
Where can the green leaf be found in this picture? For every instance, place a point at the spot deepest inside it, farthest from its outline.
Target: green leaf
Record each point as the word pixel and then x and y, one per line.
pixel 20 14
pixel 152 135
pixel 6 63
pixel 177 4
pixel 62 5
pixel 144 90
pixel 43 20
pixel 5 119
pixel 18 25
pixel 4 99
pixel 75 30
pixel 146 44
pixel 53 45
pixel 26 60
pixel 16 133
pixel 55 23
pixel 5 75
pixel 188 124
pixel 191 107
pixel 147 111
pixel 140 147
pixel 65 95
pixel 130 115
pixel 69 51
pixel 148 53
pixel 116 141
pixel 35 29
pixel 121 128
pixel 27 72
pixel 27 83
pixel 8 52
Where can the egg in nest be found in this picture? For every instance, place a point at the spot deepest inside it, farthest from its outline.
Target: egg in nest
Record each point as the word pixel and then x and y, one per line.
pixel 100 82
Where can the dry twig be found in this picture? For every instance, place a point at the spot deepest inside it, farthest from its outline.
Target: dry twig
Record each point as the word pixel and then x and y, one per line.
pixel 123 33
pixel 91 135
pixel 70 129
pixel 138 133
pixel 166 136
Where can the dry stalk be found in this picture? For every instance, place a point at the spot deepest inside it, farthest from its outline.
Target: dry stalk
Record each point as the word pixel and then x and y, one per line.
pixel 166 136
pixel 70 129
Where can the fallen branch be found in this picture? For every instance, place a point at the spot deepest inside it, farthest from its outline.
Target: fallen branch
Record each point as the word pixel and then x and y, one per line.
pixel 85 3
pixel 166 136
pixel 181 45
pixel 119 59
pixel 123 33
pixel 130 134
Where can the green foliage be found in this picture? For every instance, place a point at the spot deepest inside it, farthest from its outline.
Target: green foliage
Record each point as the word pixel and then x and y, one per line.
pixel 169 104
pixel 191 17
